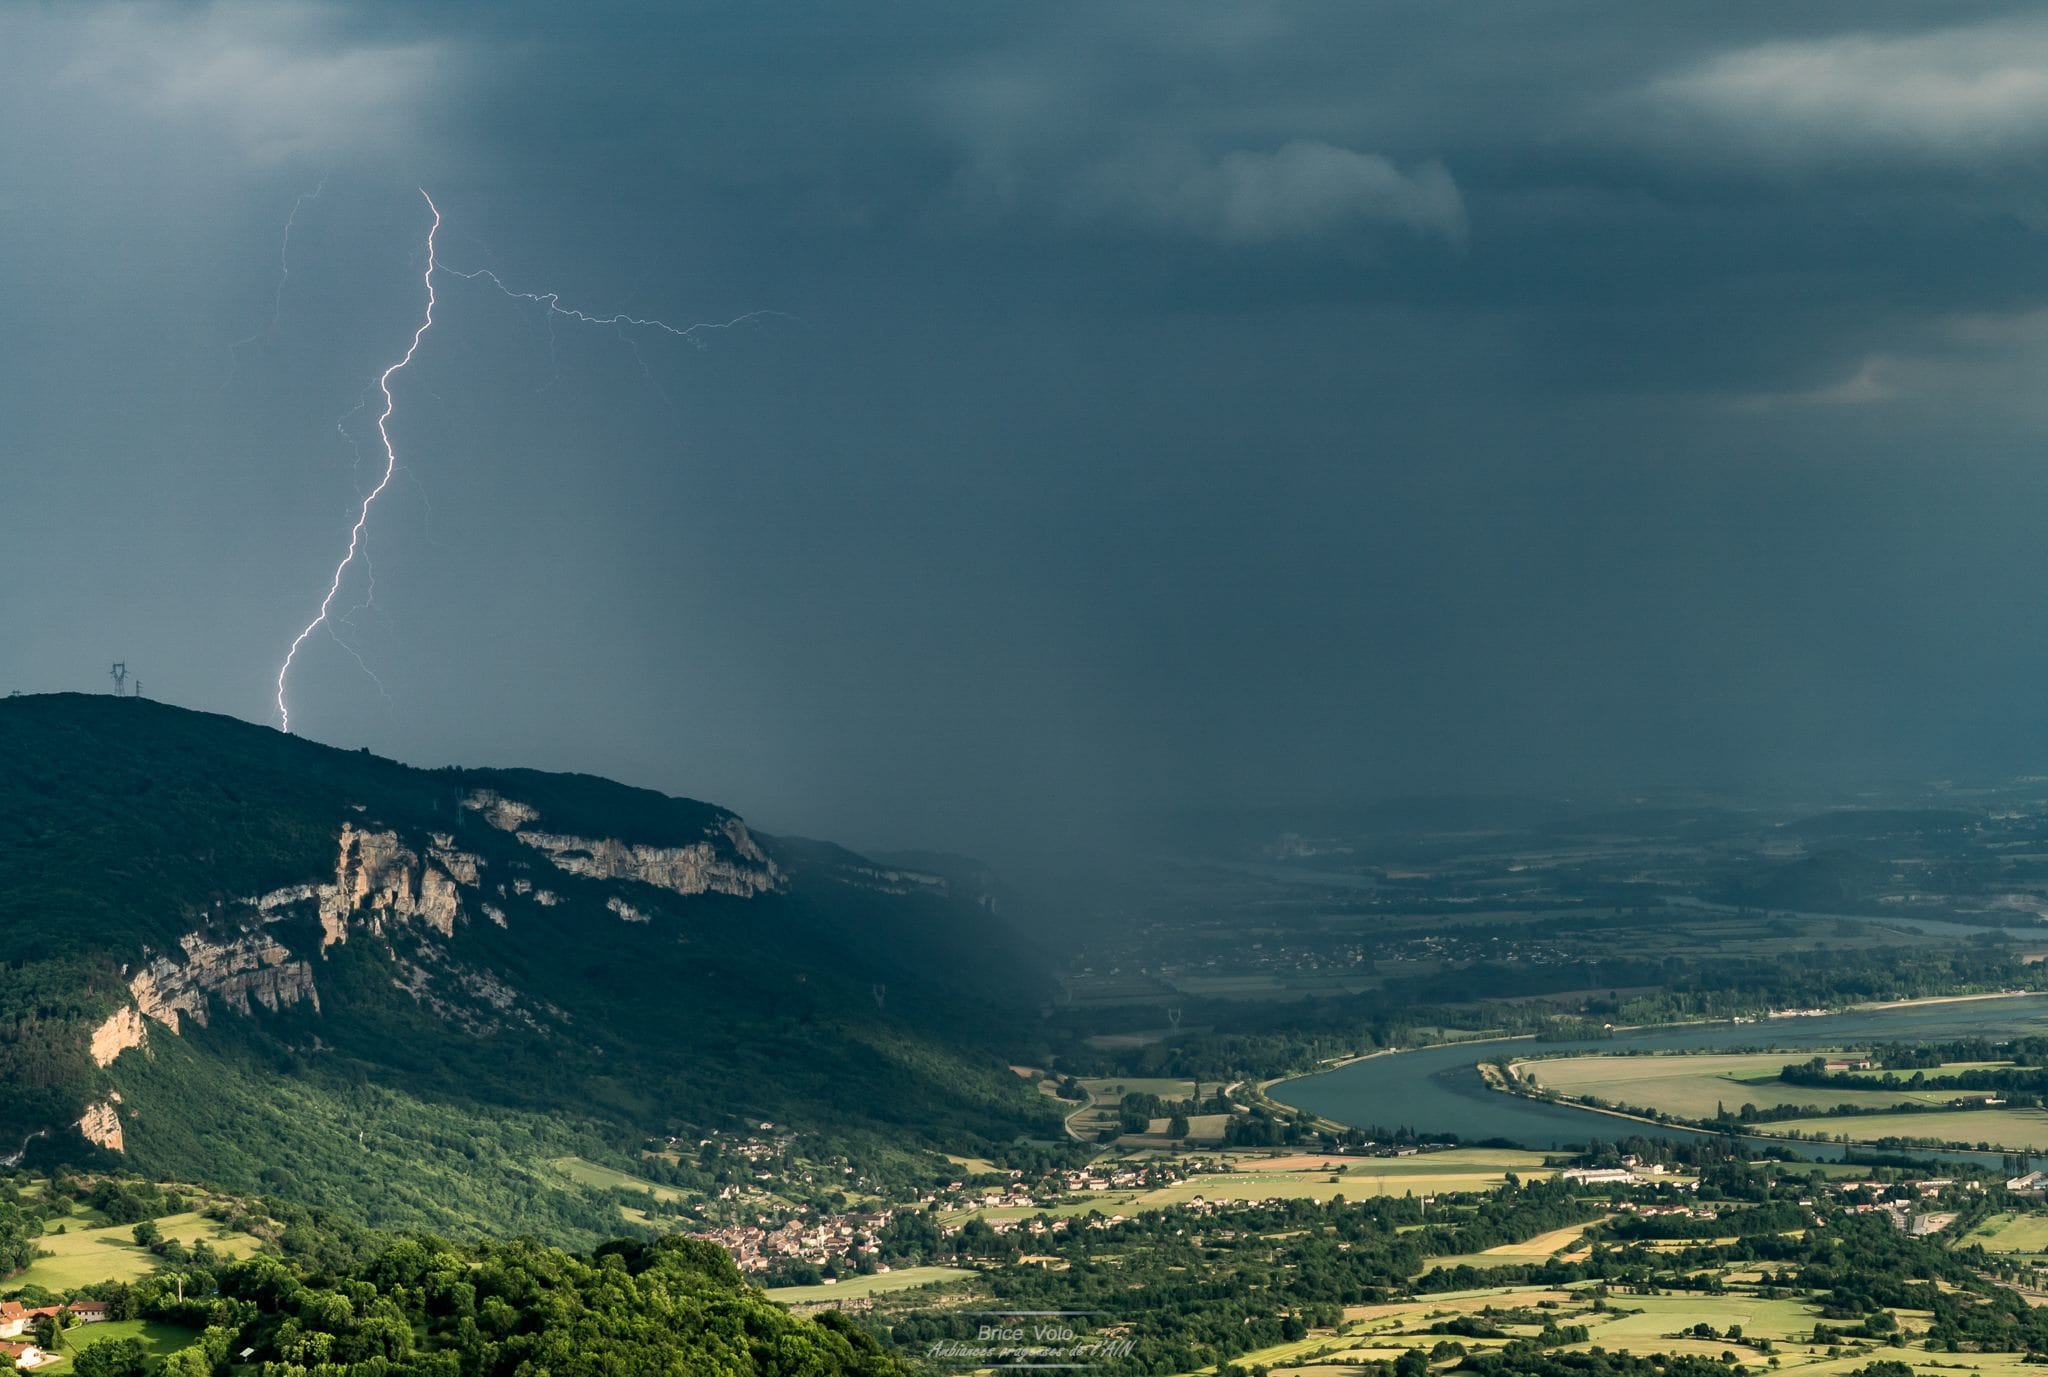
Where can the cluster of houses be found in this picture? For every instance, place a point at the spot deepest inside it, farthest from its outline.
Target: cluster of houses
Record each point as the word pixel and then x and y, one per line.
pixel 756 1247
pixel 15 1319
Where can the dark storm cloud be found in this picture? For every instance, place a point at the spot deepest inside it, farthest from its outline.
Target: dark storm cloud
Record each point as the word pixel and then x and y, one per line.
pixel 1176 401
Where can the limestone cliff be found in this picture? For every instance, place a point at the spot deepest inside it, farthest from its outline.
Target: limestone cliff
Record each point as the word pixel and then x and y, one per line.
pixel 378 879
pixel 101 1125
pixel 738 867
pixel 240 971
pixel 125 1029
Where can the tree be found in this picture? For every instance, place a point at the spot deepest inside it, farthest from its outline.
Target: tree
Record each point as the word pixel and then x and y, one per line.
pixel 50 1329
pixel 112 1358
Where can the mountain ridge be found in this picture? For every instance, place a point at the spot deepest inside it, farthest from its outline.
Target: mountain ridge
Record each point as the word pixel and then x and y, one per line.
pixel 192 905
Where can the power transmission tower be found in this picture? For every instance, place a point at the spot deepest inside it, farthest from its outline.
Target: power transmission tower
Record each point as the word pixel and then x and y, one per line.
pixel 120 676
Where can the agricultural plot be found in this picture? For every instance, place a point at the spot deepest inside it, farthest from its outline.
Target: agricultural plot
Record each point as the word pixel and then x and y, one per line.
pixel 108 1252
pixel 587 1173
pixel 1304 1177
pixel 1539 1249
pixel 1699 1086
pixel 2012 1233
pixel 1106 1093
pixel 1636 1324
pixel 881 1283
pixel 2002 1129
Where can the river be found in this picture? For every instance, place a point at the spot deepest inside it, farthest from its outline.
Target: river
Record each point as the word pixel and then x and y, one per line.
pixel 1438 1089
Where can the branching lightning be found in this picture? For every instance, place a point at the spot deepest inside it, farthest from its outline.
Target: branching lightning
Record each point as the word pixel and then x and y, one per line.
pixel 355 535
pixel 284 275
pixel 620 320
pixel 358 550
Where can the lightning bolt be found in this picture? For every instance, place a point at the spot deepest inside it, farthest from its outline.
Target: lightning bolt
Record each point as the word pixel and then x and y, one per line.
pixel 284 275
pixel 355 535
pixel 619 320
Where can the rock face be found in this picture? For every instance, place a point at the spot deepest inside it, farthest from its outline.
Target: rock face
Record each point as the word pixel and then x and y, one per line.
pixel 253 968
pixel 378 879
pixel 101 1125
pixel 119 1033
pixel 505 814
pixel 738 867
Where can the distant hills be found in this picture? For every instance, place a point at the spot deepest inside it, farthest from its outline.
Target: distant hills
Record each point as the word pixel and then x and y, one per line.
pixel 245 957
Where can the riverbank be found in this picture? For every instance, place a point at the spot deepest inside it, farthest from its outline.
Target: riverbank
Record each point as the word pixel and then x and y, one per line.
pixel 1438 1091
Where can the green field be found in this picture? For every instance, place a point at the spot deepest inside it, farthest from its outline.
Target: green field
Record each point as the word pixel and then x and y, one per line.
pixel 852 1288
pixel 109 1252
pixel 587 1173
pixel 1106 1092
pixel 1696 1086
pixel 1541 1248
pixel 2003 1129
pixel 1303 1177
pixel 161 1340
pixel 2012 1233
pixel 1636 1324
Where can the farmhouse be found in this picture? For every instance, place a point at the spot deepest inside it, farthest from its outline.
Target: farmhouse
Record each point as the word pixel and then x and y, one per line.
pixel 26 1356
pixel 14 1318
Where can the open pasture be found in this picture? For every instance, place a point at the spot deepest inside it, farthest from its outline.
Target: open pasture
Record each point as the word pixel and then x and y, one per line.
pixel 587 1173
pixel 1697 1086
pixel 2003 1129
pixel 1539 1249
pixel 880 1283
pixel 2012 1233
pixel 109 1252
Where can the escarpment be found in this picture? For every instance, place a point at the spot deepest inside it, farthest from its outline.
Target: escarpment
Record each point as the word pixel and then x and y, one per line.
pixel 727 861
pixel 241 972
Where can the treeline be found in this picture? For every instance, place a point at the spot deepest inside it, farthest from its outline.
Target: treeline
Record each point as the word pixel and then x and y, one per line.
pixel 427 1308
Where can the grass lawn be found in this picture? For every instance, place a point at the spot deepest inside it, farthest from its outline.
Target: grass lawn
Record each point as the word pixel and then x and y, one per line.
pixel 902 1279
pixel 587 1173
pixel 109 1253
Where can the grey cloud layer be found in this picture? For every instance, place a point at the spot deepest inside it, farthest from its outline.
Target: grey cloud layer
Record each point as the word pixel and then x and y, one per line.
pixel 1183 401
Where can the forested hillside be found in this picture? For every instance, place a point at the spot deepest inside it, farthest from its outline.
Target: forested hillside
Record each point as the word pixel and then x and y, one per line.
pixel 244 956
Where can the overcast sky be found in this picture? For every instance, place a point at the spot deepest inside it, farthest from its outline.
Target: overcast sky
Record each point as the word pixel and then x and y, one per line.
pixel 1161 403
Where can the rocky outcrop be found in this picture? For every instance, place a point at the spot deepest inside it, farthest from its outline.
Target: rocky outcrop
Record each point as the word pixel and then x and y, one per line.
pixel 462 867
pixel 505 814
pixel 251 969
pixel 101 1125
pixel 125 1029
pixel 378 879
pixel 626 911
pixel 740 868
